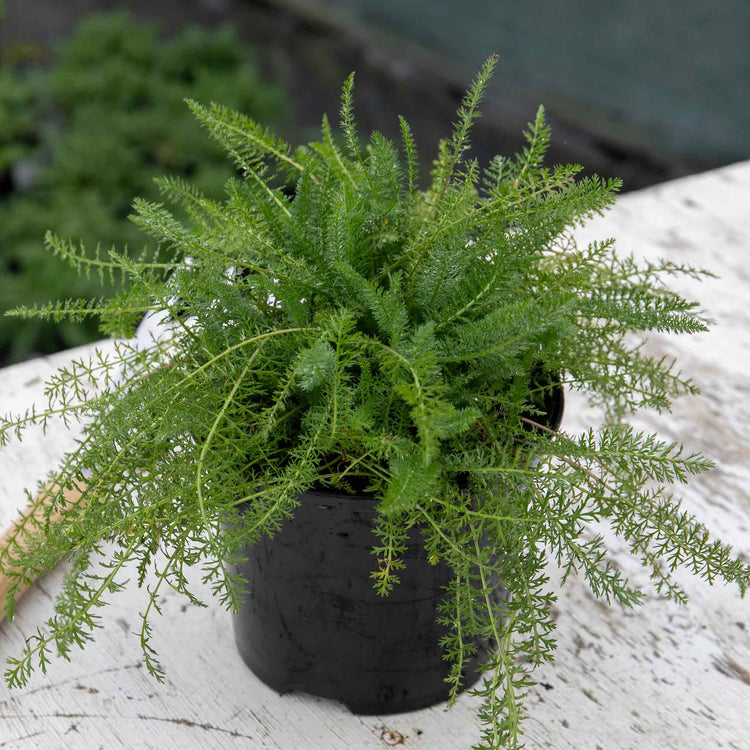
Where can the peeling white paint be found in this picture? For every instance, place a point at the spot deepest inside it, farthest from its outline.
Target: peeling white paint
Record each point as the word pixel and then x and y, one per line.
pixel 656 678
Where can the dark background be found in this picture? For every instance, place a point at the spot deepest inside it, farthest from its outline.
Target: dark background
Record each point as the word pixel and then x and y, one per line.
pixel 644 91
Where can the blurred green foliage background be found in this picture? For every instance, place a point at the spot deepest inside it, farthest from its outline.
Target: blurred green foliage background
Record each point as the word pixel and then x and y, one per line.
pixel 80 139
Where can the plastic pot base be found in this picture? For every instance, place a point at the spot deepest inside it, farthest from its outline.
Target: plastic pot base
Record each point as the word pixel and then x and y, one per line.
pixel 313 622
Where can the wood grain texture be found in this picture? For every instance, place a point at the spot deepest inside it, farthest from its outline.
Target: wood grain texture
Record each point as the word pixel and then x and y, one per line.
pixel 16 537
pixel 655 678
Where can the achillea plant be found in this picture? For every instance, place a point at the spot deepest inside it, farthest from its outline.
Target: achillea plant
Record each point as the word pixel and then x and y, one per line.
pixel 366 333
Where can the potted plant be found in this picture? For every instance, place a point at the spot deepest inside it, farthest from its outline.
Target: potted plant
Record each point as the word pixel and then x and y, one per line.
pixel 389 360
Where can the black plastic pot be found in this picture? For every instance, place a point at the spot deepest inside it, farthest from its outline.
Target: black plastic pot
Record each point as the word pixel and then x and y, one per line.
pixel 313 622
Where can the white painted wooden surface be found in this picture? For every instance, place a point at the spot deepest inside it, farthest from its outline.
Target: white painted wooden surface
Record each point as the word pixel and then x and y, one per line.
pixel 655 678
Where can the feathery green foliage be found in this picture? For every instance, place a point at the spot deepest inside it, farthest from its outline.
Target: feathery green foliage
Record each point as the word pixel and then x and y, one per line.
pixel 365 334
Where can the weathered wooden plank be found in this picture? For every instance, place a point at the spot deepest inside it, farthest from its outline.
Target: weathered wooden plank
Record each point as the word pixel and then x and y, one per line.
pixel 657 677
